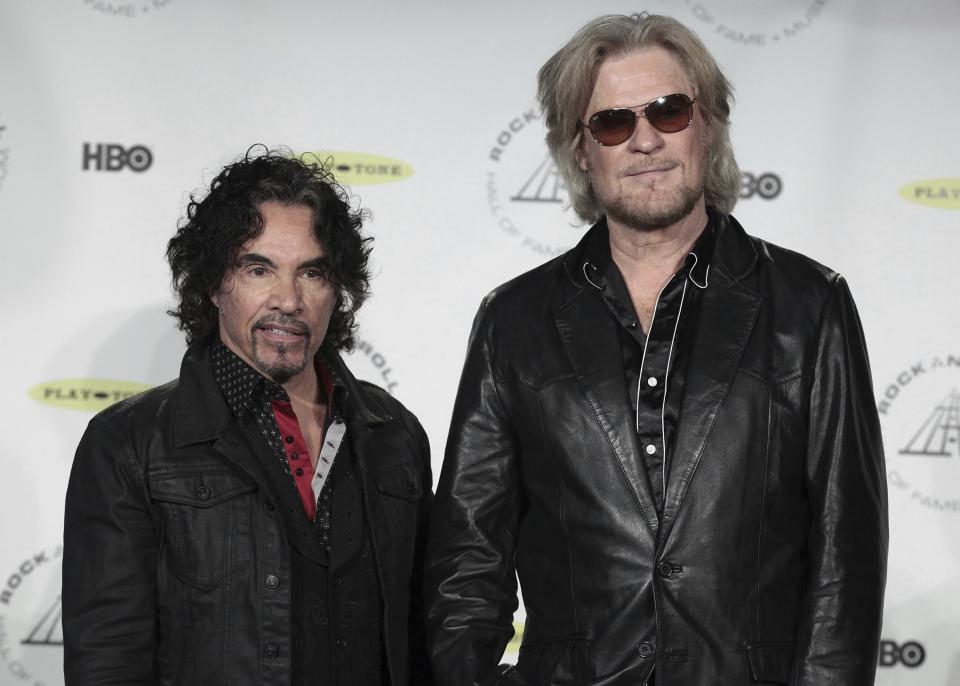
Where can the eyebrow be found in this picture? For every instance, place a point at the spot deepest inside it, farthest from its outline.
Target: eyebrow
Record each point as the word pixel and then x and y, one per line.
pixel 257 258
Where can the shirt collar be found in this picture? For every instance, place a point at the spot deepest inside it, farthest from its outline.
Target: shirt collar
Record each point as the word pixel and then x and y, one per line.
pixel 241 384
pixel 696 266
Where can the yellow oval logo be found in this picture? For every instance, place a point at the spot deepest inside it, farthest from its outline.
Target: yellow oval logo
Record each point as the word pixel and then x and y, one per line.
pixel 361 168
pixel 91 395
pixel 942 193
pixel 514 645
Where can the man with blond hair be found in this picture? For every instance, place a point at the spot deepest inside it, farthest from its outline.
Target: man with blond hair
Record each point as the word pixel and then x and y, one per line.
pixel 668 433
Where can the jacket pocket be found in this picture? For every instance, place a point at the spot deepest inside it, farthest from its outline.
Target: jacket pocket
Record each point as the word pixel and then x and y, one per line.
pixel 400 482
pixel 206 515
pixel 770 661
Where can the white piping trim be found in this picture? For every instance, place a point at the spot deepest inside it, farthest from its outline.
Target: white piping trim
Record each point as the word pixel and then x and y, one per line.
pixel 643 358
pixel 666 386
pixel 706 275
pixel 585 265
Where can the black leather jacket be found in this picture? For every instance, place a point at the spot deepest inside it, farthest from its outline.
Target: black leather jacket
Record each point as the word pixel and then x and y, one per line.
pixel 172 539
pixel 768 565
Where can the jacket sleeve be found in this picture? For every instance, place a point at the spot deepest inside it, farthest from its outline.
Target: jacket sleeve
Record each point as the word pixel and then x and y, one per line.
pixel 839 633
pixel 470 579
pixel 109 565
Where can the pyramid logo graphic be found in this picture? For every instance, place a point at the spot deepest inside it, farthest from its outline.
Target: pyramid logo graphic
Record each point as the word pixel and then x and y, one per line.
pixel 49 630
pixel 940 434
pixel 545 185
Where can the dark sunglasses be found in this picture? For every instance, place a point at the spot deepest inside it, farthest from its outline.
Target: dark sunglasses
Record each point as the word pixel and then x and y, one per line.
pixel 667 114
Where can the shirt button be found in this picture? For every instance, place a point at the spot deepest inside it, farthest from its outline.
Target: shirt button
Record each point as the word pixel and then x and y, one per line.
pixel 294 455
pixel 645 649
pixel 299 472
pixel 203 493
pixel 665 569
pixel 289 439
pixel 272 581
pixel 652 381
pixel 342 643
pixel 271 651
pixel 651 449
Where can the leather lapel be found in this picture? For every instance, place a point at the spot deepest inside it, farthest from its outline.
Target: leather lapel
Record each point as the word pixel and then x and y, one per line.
pixel 592 346
pixel 727 316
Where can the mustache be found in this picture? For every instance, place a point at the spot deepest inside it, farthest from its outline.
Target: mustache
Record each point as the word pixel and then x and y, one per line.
pixel 640 167
pixel 286 321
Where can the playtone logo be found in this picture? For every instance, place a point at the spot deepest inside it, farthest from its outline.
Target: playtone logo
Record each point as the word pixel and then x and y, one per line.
pixel 942 193
pixel 361 168
pixel 91 395
pixel 113 158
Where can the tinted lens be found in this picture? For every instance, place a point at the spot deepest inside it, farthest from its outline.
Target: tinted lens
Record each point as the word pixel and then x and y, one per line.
pixel 669 114
pixel 612 127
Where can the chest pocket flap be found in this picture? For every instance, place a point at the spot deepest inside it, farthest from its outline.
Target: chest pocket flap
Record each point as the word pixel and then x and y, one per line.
pixel 199 487
pixel 400 482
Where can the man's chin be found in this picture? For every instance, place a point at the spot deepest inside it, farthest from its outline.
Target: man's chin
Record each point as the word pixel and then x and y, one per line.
pixel 654 214
pixel 280 371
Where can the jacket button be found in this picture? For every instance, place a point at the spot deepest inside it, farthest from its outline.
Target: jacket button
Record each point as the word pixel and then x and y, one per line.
pixel 203 493
pixel 665 569
pixel 645 649
pixel 337 581
pixel 272 581
pixel 271 651
pixel 342 643
pixel 411 487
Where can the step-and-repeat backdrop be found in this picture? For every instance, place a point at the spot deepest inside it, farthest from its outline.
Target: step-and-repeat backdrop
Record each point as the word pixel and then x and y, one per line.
pixel 845 127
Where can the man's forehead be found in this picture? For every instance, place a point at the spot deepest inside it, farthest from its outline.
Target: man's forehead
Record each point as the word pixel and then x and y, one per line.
pixel 648 67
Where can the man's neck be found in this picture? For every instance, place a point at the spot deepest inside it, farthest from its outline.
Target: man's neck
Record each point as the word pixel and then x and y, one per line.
pixel 648 258
pixel 655 253
pixel 304 388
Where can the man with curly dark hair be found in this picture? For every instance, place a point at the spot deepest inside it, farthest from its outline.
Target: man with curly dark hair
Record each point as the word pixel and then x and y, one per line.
pixel 259 520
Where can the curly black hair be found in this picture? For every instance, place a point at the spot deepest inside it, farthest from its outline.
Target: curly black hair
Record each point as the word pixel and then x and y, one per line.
pixel 219 222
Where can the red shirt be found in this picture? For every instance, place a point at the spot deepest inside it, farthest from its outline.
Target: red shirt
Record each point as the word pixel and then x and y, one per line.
pixel 294 445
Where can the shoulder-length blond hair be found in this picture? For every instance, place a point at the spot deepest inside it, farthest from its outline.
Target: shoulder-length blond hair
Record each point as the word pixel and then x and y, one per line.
pixel 565 84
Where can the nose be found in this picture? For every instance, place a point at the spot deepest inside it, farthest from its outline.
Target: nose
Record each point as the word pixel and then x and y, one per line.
pixel 645 138
pixel 286 295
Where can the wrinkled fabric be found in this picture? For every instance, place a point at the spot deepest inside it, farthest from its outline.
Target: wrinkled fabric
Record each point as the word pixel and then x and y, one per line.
pixel 768 564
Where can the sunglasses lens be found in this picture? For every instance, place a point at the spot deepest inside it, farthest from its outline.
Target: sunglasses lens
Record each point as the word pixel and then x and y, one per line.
pixel 613 127
pixel 670 113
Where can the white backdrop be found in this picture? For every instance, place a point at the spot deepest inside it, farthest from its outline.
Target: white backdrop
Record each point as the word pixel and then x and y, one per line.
pixel 845 118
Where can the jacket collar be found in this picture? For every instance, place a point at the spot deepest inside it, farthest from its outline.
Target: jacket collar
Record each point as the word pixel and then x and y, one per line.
pixel 733 253
pixel 202 413
pixel 588 334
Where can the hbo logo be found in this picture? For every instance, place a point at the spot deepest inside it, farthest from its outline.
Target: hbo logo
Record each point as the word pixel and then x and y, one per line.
pixel 910 654
pixel 767 186
pixel 112 157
